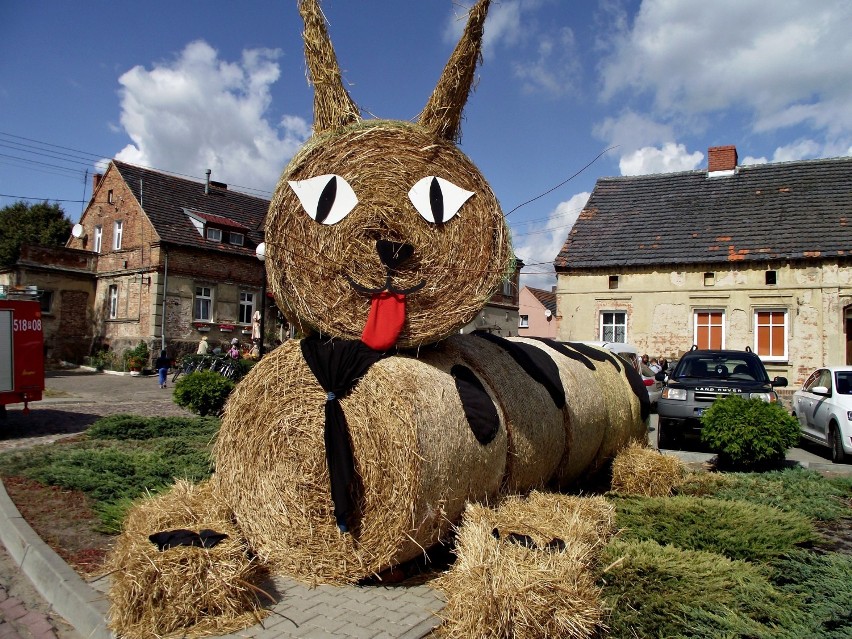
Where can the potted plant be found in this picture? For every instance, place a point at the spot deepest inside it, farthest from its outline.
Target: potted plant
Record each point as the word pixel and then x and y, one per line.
pixel 137 358
pixel 135 364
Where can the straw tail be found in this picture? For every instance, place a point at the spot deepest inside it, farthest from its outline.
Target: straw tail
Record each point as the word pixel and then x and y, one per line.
pixel 443 112
pixel 333 107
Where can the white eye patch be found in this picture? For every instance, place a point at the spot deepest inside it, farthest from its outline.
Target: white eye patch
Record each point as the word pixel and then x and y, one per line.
pixel 436 199
pixel 326 198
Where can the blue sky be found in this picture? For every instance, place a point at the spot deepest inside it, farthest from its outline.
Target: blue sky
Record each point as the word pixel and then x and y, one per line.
pixel 185 86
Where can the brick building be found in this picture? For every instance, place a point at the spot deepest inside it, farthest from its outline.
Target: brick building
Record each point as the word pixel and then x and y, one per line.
pixel 733 257
pixel 167 260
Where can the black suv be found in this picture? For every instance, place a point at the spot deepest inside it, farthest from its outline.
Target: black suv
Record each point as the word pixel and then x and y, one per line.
pixel 699 379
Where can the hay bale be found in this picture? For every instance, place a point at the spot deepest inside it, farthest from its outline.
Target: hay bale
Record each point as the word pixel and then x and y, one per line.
pixel 461 262
pixel 501 589
pixel 416 461
pixel 602 414
pixel 535 426
pixel 181 591
pixel 640 470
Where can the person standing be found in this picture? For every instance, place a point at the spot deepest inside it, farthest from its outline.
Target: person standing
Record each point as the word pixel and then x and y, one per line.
pixel 234 351
pixel 162 365
pixel 202 346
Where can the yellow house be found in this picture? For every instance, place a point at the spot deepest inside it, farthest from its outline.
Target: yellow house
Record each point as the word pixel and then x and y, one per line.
pixel 733 257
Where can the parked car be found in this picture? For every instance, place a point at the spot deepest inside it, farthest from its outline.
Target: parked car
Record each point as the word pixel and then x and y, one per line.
pixel 699 379
pixel 823 407
pixel 654 386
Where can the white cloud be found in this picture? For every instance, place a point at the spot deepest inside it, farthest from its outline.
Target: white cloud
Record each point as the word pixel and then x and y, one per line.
pixel 556 69
pixel 538 244
pixel 787 66
pixel 670 158
pixel 631 131
pixel 198 112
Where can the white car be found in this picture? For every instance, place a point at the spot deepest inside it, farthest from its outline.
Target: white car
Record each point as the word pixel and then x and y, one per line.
pixel 823 407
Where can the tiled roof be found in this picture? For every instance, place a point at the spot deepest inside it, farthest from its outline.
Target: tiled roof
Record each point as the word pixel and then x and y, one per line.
pixel 164 198
pixel 782 211
pixel 547 298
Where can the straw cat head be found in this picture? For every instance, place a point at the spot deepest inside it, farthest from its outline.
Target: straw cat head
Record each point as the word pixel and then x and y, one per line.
pixel 384 230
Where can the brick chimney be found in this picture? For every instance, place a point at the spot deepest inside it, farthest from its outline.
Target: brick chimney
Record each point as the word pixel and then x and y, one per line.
pixel 721 158
pixel 96 179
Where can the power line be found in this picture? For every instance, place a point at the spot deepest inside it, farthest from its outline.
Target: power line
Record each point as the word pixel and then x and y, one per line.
pixel 40 199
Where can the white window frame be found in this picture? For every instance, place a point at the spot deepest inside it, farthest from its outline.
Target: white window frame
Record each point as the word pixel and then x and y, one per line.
pixel 118 231
pixel 695 313
pixel 508 288
pixel 246 307
pixel 99 238
pixel 213 234
pixel 237 239
pixel 786 313
pixel 203 300
pixel 523 321
pixel 112 300
pixel 614 325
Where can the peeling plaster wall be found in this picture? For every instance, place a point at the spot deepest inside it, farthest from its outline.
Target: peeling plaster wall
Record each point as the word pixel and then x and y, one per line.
pixel 660 307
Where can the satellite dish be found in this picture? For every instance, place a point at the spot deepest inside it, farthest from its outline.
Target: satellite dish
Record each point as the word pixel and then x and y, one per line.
pixel 260 251
pixel 547 313
pixel 78 231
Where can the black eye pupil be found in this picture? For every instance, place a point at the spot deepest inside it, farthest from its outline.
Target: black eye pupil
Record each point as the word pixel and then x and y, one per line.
pixel 326 199
pixel 436 201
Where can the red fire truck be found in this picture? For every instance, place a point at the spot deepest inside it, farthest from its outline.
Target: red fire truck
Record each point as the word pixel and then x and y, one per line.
pixel 21 351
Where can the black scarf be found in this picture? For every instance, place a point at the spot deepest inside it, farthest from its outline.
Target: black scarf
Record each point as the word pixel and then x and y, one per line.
pixel 338 365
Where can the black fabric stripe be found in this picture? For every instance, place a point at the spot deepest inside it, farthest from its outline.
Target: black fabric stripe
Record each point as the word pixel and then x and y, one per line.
pixel 562 349
pixel 478 408
pixel 639 389
pixel 600 354
pixel 535 362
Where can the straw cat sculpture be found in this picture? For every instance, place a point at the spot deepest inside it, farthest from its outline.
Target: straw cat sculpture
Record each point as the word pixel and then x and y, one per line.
pixel 348 452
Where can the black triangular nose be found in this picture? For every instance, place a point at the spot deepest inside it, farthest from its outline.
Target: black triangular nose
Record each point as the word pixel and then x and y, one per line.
pixel 392 254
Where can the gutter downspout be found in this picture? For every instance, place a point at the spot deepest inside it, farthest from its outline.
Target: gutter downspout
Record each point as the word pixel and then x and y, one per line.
pixel 165 288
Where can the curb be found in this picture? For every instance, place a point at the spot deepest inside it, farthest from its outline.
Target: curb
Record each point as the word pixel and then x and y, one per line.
pixel 72 598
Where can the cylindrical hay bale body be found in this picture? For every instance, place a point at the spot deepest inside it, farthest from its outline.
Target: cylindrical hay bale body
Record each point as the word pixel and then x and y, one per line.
pixel 534 423
pixel 602 413
pixel 416 459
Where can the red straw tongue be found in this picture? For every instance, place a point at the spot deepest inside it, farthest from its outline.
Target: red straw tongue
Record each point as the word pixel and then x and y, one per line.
pixel 384 324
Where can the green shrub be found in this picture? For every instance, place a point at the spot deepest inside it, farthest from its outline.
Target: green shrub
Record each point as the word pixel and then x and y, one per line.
pixel 748 433
pixel 663 591
pixel 125 426
pixel 735 529
pixel 203 392
pixel 823 586
pixel 806 492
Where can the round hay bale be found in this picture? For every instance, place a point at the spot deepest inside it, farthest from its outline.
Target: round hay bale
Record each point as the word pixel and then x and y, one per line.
pixel 417 464
pixel 312 266
pixel 602 414
pixel 639 470
pixel 534 424
pixel 499 588
pixel 182 591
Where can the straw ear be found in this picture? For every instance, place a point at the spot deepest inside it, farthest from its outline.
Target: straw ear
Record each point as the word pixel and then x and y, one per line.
pixel 333 107
pixel 443 112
